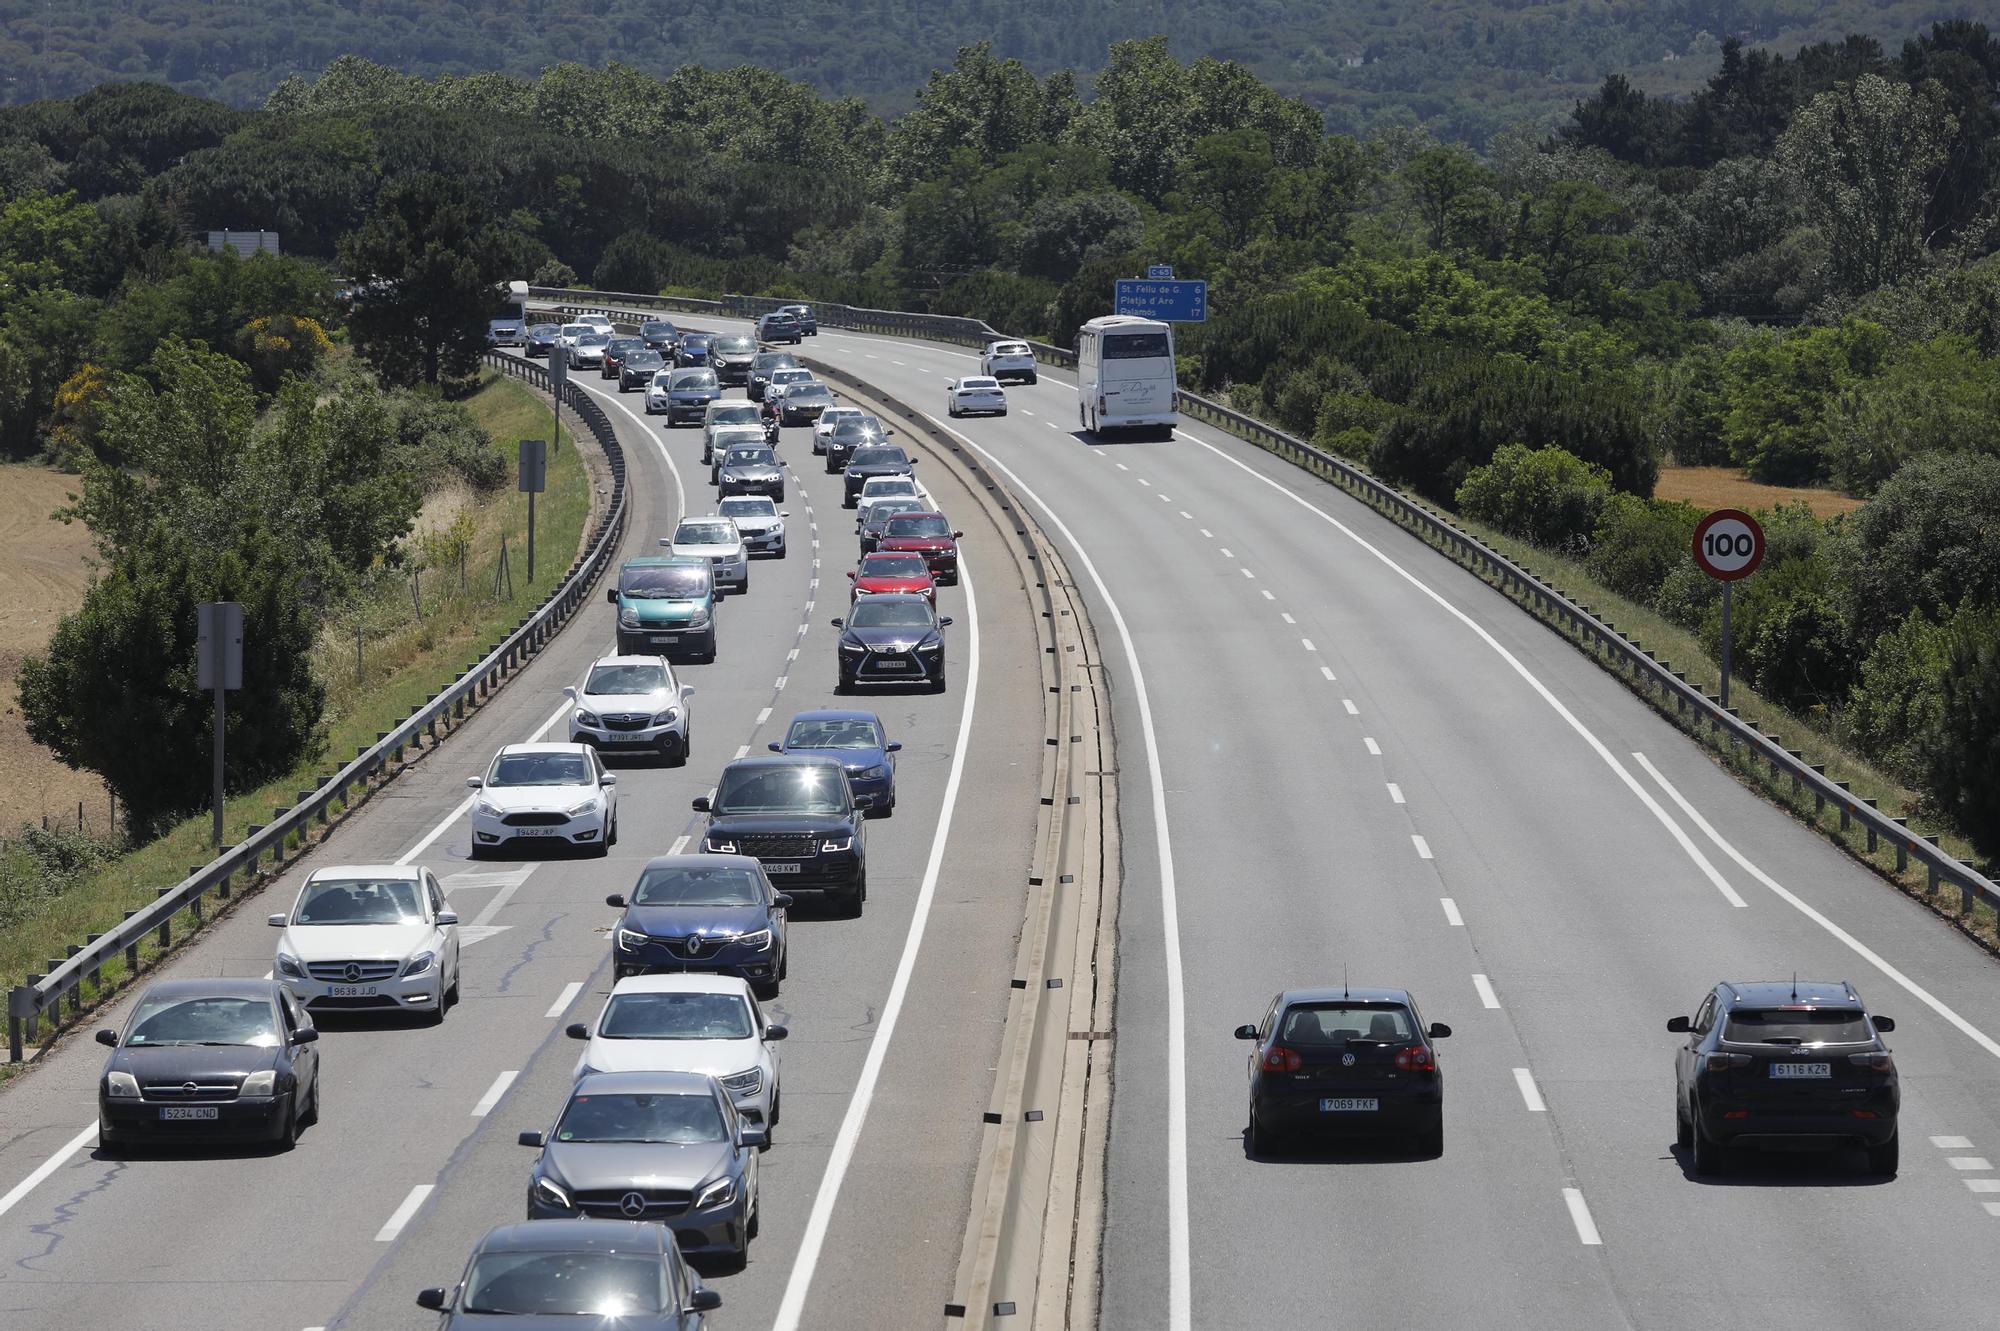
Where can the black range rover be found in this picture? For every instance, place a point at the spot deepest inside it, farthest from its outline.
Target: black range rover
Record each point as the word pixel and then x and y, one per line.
pixel 798 817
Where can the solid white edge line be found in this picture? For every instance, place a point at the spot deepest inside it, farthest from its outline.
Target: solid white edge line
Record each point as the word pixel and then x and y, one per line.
pixel 46 1168
pixel 389 1231
pixel 1790 898
pixel 1579 1215
pixel 1529 1092
pixel 563 1000
pixel 799 1283
pixel 1486 994
pixel 1451 915
pixel 494 1092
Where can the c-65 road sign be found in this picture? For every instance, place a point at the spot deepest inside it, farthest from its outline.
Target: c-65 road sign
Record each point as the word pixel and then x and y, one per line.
pixel 1728 544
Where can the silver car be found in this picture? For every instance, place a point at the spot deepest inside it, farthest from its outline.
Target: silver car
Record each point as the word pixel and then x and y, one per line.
pixel 667 1147
pixel 760 520
pixel 588 350
pixel 633 704
pixel 716 540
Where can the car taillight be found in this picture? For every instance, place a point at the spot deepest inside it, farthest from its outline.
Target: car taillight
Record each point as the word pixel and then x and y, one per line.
pixel 1724 1062
pixel 1873 1062
pixel 1415 1059
pixel 1280 1059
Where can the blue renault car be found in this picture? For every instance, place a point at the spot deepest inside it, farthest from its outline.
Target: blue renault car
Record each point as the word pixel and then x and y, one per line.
pixel 666 607
pixel 688 394
pixel 856 741
pixel 716 914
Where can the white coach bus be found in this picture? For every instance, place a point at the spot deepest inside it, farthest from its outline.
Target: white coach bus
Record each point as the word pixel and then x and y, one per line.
pixel 1125 375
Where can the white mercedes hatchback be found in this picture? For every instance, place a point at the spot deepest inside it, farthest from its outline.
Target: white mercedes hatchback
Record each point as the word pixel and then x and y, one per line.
pixel 370 937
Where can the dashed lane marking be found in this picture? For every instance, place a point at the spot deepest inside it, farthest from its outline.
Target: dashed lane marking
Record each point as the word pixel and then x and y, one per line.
pixel 1423 847
pixel 1579 1215
pixel 1530 1093
pixel 1373 747
pixel 411 1203
pixel 1396 794
pixel 493 1093
pixel 1451 915
pixel 1486 994
pixel 564 999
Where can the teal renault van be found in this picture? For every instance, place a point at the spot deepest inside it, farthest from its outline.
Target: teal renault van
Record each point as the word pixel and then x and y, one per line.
pixel 666 607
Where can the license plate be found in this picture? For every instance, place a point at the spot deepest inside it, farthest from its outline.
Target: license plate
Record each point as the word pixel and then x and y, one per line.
pixel 536 831
pixel 350 990
pixel 1367 1106
pixel 190 1112
pixel 1802 1071
pixel 664 637
pixel 780 868
pixel 892 665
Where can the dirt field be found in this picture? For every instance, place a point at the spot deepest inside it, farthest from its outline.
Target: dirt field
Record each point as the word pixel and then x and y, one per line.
pixel 43 569
pixel 1726 487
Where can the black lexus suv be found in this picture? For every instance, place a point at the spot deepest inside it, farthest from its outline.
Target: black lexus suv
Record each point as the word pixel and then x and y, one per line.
pixel 799 818
pixel 1780 1064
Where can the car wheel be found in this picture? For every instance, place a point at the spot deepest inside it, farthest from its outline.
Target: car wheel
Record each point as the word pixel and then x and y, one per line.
pixel 601 848
pixel 288 1131
pixel 475 851
pixel 1033 379
pixel 1707 1153
pixel 766 990
pixel 1683 1129
pixel 611 838
pixel 938 684
pixel 777 1105
pixel 676 755
pixel 841 686
pixel 311 1115
pixel 1259 1137
pixel 756 1219
pixel 111 1146
pixel 1001 412
pixel 851 904
pixel 784 967
pixel 1882 1159
pixel 450 997
pixel 1430 1142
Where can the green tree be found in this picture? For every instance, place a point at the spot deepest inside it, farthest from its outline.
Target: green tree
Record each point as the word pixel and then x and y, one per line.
pixel 1963 776
pixel 990 105
pixel 1940 396
pixel 1929 541
pixel 1777 390
pixel 1545 495
pixel 1895 712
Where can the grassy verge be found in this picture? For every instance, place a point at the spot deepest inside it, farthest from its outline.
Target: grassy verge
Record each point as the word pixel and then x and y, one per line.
pixel 405 659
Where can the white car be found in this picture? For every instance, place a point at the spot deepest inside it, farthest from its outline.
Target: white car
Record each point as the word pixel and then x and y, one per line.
pixel 974 394
pixel 571 332
pixel 545 792
pixel 718 441
pixel 759 519
pixel 370 937
pixel 715 539
pixel 785 378
pixel 829 420
pixel 588 349
pixel 883 487
pixel 729 413
pixel 600 322
pixel 688 1023
pixel 632 703
pixel 656 392
pixel 1008 360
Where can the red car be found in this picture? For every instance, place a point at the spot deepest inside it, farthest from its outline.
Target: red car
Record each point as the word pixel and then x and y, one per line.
pixel 881 573
pixel 926 534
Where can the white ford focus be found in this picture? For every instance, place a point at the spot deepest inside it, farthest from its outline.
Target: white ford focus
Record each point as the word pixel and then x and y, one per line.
pixel 370 937
pixel 545 792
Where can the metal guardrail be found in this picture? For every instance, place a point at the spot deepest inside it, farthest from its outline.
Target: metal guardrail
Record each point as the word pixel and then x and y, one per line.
pixel 42 997
pixel 1688 701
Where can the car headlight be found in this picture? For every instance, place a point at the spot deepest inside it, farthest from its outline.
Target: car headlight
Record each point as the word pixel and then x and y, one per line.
pixel 632 939
pixel 486 809
pixel 931 644
pixel 747 1082
pixel 719 1193
pixel 584 718
pixel 699 619
pixel 628 618
pixel 757 942
pixel 579 809
pixel 121 1086
pixel 853 648
pixel 260 1083
pixel 667 717
pixel 715 847
pixel 289 965
pixel 837 843
pixel 875 773
pixel 419 963
pixel 550 1193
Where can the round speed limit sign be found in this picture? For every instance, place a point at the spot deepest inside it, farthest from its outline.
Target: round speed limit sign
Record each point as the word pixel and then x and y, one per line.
pixel 1728 544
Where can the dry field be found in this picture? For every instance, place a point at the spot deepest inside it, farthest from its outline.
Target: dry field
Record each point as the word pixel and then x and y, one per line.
pixel 43 568
pixel 1726 487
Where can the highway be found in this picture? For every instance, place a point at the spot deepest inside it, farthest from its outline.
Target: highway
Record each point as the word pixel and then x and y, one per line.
pixel 415 1155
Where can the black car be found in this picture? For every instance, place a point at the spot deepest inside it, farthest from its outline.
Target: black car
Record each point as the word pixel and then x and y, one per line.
pixel 870 529
pixel 1785 1064
pixel 848 437
pixel 716 914
pixel 574 1273
pixel 799 818
pixel 203 1059
pixel 1344 1062
pixel 895 638
pixel 864 464
pixel 615 352
pixel 803 403
pixel 761 367
pixel 693 349
pixel 660 335
pixel 541 338
pixel 638 367
pixel 750 471
pixel 731 357
pixel 808 321
pixel 779 327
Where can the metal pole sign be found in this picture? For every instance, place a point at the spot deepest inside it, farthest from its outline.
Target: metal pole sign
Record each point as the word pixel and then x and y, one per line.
pixel 219 668
pixel 534 471
pixel 1161 272
pixel 1728 546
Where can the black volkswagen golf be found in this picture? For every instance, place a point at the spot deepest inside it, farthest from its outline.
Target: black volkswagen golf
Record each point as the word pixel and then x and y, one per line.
pixel 799 817
pixel 1345 1062
pixel 1785 1064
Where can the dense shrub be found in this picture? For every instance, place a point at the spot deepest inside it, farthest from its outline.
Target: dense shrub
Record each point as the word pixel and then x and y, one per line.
pixel 1963 772
pixel 1929 541
pixel 1009 302
pixel 1791 638
pixel 1545 495
pixel 1895 711
pixel 1639 542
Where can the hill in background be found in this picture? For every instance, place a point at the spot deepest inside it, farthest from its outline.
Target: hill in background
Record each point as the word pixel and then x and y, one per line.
pixel 1466 67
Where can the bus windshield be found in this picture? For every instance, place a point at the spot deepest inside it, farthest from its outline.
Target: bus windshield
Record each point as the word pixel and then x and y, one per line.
pixel 1136 346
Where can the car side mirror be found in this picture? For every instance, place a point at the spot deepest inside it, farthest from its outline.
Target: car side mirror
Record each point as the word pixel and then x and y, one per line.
pixel 851 572
pixel 576 1030
pixel 1246 1032
pixel 915 461
pixel 1439 1030
pixel 775 747
pixel 109 1039
pixel 1885 1024
pixel 699 804
pixel 958 536
pixel 687 691
pixel 432 1298
pixel 839 623
pixel 864 801
pixel 615 899
pixel 1678 1025
pixel 666 540
pixel 750 1137
pixel 447 917
pixel 473 783
pixel 703 1300
pixel 782 900
pixel 569 692
pixel 611 595
pixel 530 1139
pixel 608 779
pixel 893 746
pixel 945 623
pixel 275 921
pixel 784 512
pixel 306 1036
pixel 776 1032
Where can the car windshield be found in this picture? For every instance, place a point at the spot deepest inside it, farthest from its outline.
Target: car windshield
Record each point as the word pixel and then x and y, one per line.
pixel 915 526
pixel 791 375
pixel 878 457
pixel 733 345
pixel 888 485
pixel 593 1284
pixel 1008 349
pixel 749 506
pixel 540 769
pixel 697 339
pixel 881 511
pixel 593 340
pixel 657 328
pixel 805 788
pixel 635 678
pixel 642 1016
pixel 207 1020
pixel 736 413
pixel 576 330
pixel 830 733
pixel 705 533
pixel 643 359
pixel 359 901
pixel 546 330
pixel 626 343
pixel 776 360
pixel 894 566
pixel 695 379
pixel 890 613
pixel 835 415
pixel 979 383
pixel 626 1117
pixel 1337 1023
pixel 664 582
pixel 751 457
pixel 731 886
pixel 1829 1025
pixel 810 390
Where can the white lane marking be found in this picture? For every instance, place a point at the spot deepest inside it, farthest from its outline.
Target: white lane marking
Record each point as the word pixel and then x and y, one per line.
pixel 782 680
pixel 1860 949
pixel 1123 467
pixel 1052 425
pixel 1026 412
pixel 871 355
pixel 1579 1215
pixel 1969 1162
pixel 1486 994
pixel 1179 1289
pixel 1451 915
pixel 463 806
pixel 1328 672
pixel 1952 1143
pixel 793 654
pixel 388 1232
pixel 1982 1184
pixel 1227 553
pixel 46 1168
pixel 792 1307
pixel 1530 1094
pixel 1189 516
pixel 1589 737
pixel 1396 794
pixel 500 898
pixel 1307 643
pixel 1991 1208
pixel 743 751
pixel 493 1093
pixel 894 361
pixel 1267 594
pixel 1143 481
pixel 564 999
pixel 1287 618
pixel 1423 847
pixel 1165 500
pixel 1209 534
pixel 680 844
pixel 1352 710
pixel 1373 747
pixel 1246 572
pixel 765 715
